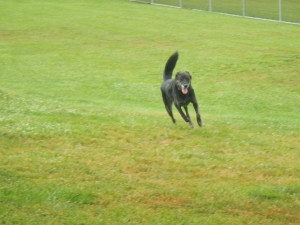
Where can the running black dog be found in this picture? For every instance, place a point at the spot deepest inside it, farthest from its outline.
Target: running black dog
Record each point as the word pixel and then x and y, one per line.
pixel 179 91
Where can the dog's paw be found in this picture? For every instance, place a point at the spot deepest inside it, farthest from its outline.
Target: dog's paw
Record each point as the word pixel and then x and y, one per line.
pixel 200 123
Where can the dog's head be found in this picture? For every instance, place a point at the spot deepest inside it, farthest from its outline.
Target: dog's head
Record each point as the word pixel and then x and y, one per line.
pixel 183 81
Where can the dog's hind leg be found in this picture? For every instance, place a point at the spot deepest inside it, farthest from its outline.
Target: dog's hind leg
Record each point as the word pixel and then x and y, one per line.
pixel 188 116
pixel 169 110
pixel 168 105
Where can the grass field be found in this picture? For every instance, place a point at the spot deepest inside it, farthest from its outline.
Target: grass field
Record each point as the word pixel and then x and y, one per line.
pixel 267 9
pixel 85 138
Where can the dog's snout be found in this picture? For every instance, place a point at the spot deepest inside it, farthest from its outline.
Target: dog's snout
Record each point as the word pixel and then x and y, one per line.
pixel 185 85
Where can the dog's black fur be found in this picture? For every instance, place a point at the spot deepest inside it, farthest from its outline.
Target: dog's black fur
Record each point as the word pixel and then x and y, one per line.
pixel 179 91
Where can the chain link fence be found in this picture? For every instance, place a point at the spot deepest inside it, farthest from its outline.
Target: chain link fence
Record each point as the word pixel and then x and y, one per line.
pixel 279 10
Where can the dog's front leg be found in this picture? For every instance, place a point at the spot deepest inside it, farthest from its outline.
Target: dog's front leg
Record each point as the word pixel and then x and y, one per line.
pixel 196 107
pixel 186 119
pixel 188 116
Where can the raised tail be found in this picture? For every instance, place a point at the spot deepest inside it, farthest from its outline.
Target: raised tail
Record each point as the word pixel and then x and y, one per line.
pixel 170 65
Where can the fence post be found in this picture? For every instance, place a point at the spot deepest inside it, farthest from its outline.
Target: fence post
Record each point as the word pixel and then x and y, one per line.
pixel 244 7
pixel 180 3
pixel 210 5
pixel 280 12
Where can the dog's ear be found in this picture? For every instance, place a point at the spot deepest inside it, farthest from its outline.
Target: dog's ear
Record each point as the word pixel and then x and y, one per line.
pixel 189 74
pixel 177 76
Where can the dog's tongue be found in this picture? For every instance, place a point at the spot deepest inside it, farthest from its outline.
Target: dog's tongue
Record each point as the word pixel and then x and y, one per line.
pixel 184 90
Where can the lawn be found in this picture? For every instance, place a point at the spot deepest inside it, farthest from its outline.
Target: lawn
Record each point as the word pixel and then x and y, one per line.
pixel 84 135
pixel 267 9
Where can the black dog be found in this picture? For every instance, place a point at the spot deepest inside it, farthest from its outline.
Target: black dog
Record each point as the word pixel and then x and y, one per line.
pixel 179 91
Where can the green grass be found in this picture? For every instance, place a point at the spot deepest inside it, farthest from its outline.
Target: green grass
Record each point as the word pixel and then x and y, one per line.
pixel 85 138
pixel 267 9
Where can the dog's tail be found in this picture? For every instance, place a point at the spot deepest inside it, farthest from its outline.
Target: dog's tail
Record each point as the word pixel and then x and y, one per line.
pixel 170 65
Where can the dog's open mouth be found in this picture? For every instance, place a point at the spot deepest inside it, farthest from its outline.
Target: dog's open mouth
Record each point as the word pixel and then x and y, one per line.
pixel 184 90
